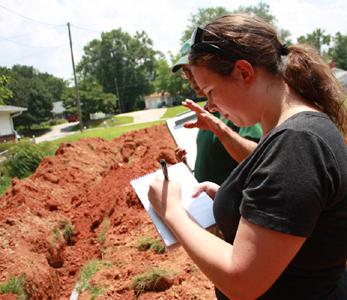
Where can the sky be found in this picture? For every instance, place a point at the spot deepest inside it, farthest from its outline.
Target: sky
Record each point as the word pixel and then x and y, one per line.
pixel 34 32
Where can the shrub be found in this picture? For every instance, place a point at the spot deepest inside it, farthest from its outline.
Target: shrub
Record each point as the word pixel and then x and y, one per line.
pixel 24 157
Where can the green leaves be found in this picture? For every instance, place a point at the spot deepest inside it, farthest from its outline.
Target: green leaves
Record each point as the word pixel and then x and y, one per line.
pixel 122 64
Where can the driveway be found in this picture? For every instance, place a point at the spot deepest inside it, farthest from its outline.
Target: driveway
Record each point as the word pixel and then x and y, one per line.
pixel 147 115
pixel 56 132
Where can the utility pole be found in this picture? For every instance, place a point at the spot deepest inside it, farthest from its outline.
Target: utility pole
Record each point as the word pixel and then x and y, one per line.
pixel 119 100
pixel 76 84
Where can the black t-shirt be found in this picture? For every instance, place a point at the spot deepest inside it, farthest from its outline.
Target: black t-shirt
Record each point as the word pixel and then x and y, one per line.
pixel 295 182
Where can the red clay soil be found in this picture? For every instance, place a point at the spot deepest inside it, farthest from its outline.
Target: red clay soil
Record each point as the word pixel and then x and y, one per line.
pixel 85 183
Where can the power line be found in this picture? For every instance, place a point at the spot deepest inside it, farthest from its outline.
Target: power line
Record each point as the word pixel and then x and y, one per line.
pixel 84 28
pixel 30 46
pixel 30 19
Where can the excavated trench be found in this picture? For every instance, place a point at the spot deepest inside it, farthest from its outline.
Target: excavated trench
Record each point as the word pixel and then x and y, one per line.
pixel 79 207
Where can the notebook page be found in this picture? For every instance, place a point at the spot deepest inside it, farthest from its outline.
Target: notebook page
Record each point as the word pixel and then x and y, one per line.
pixel 200 208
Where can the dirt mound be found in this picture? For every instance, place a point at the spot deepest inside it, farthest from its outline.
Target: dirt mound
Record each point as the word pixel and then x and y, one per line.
pixel 78 207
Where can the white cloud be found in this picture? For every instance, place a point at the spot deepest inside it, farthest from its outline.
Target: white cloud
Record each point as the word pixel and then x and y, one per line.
pixel 163 20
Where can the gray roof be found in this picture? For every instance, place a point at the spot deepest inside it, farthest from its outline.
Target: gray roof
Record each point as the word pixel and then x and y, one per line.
pixel 11 109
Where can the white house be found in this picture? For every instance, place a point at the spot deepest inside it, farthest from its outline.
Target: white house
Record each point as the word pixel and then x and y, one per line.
pixel 156 100
pixel 7 113
pixel 341 76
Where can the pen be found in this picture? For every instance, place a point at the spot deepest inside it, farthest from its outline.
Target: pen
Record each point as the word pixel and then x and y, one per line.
pixel 164 168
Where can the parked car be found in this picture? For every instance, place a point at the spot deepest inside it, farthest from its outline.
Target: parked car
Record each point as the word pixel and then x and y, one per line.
pixel 72 118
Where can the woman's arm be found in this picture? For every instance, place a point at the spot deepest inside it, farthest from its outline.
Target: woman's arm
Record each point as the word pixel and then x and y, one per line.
pixel 245 270
pixel 237 146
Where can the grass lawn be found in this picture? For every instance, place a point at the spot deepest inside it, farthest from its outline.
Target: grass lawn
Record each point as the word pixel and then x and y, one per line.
pixel 106 133
pixel 176 110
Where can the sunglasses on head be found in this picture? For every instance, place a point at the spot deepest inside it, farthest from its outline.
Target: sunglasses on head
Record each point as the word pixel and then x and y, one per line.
pixel 201 43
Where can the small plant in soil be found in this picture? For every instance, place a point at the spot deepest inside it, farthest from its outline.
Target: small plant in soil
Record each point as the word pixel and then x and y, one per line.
pixel 55 235
pixel 147 242
pixel 15 285
pixel 88 271
pixel 104 228
pixel 68 233
pixel 156 279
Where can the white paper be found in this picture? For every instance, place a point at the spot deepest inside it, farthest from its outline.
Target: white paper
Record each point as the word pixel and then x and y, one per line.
pixel 184 137
pixel 199 208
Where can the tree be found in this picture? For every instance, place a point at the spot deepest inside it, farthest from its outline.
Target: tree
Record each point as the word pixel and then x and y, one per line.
pixel 92 98
pixel 261 10
pixel 29 91
pixel 206 15
pixel 174 84
pixel 5 93
pixel 316 39
pixel 339 51
pixel 122 64
pixel 55 85
pixel 201 18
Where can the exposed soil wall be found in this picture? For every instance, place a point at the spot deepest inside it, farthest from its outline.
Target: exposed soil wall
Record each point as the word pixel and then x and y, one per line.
pixel 86 183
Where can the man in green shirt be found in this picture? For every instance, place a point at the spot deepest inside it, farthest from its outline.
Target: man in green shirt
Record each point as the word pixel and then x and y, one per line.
pixel 220 144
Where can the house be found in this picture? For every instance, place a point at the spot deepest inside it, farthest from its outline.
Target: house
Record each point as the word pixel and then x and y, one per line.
pixel 156 100
pixel 58 110
pixel 341 76
pixel 7 113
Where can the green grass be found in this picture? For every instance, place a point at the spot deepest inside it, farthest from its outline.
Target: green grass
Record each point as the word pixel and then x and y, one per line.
pixel 148 281
pixel 147 242
pixel 5 182
pixel 14 286
pixel 106 133
pixel 88 271
pixel 120 120
pixel 172 112
pixel 105 227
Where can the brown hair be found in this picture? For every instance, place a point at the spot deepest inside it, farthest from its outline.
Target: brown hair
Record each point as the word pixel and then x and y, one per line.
pixel 301 67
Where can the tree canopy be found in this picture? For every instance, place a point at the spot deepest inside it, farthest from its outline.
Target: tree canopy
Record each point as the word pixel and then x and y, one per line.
pixel 33 90
pixel 339 51
pixel 122 64
pixel 317 39
pixel 5 92
pixel 92 99
pixel 206 15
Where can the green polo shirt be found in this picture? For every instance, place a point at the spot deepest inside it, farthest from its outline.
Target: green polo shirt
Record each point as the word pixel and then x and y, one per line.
pixel 213 162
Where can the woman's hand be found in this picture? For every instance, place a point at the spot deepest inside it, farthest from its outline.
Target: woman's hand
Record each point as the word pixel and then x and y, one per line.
pixel 205 120
pixel 210 188
pixel 165 196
